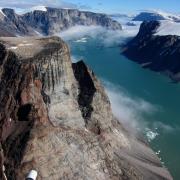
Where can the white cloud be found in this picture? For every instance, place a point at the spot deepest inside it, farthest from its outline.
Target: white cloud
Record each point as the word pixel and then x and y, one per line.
pixel 106 37
pixel 132 113
pixel 163 127
pixel 78 32
pixel 23 4
pixel 40 8
pixel 129 110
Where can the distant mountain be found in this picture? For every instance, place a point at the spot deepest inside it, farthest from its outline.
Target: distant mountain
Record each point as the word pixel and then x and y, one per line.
pixel 155 16
pixel 14 23
pixel 49 21
pixel 130 24
pixel 158 52
pixel 121 15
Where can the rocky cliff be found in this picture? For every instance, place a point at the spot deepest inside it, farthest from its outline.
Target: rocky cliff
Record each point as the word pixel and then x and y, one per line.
pixel 159 53
pixel 56 118
pixel 51 21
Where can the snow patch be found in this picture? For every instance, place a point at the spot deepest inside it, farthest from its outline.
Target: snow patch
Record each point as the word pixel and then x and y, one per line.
pixel 24 44
pixel 13 47
pixel 20 45
pixel 2 12
pixel 39 8
pixel 168 28
pixel 38 33
pixel 166 15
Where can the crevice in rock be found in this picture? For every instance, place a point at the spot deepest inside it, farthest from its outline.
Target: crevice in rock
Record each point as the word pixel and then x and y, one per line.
pixel 24 112
pixel 14 146
pixel 86 89
pixel 46 98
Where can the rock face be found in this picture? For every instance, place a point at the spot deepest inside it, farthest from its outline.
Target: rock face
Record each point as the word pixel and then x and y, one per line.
pixel 56 118
pixel 51 21
pixel 13 24
pixel 159 53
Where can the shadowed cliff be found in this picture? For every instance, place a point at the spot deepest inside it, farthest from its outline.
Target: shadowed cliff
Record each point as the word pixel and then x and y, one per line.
pixel 159 53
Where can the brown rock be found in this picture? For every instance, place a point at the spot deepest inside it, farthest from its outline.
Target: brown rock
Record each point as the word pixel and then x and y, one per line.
pixel 62 123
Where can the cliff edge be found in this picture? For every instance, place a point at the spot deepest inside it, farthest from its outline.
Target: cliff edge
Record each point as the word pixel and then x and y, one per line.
pixel 56 118
pixel 159 53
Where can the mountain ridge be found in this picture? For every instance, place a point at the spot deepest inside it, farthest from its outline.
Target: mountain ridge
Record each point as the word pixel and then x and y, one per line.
pixel 51 22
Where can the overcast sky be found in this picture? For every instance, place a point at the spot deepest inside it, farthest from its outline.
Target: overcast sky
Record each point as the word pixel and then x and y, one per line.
pixel 109 6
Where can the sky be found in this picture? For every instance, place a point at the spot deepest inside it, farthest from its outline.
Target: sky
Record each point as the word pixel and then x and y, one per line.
pixel 107 6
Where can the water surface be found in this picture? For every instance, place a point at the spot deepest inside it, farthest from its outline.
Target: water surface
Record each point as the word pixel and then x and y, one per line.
pixel 145 99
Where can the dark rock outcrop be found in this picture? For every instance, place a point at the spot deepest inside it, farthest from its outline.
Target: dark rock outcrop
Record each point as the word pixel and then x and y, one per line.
pixel 159 53
pixel 87 89
pixel 51 21
pixel 149 16
pixel 56 118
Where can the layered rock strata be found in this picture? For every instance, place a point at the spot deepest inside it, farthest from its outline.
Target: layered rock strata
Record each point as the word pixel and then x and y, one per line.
pixel 56 118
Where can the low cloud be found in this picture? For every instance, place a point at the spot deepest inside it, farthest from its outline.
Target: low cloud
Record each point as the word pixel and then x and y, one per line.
pixel 77 32
pixel 127 109
pixel 132 113
pixel 163 127
pixel 106 37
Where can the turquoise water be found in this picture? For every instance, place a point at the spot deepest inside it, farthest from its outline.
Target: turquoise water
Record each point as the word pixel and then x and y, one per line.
pixel 156 100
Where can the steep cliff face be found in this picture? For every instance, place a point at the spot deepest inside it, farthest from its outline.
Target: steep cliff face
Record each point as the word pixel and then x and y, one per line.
pixel 159 53
pixel 55 20
pixel 56 118
pixel 51 21
pixel 13 24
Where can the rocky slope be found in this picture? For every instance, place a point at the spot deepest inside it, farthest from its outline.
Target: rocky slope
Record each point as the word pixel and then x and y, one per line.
pixel 56 118
pixel 51 21
pixel 159 53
